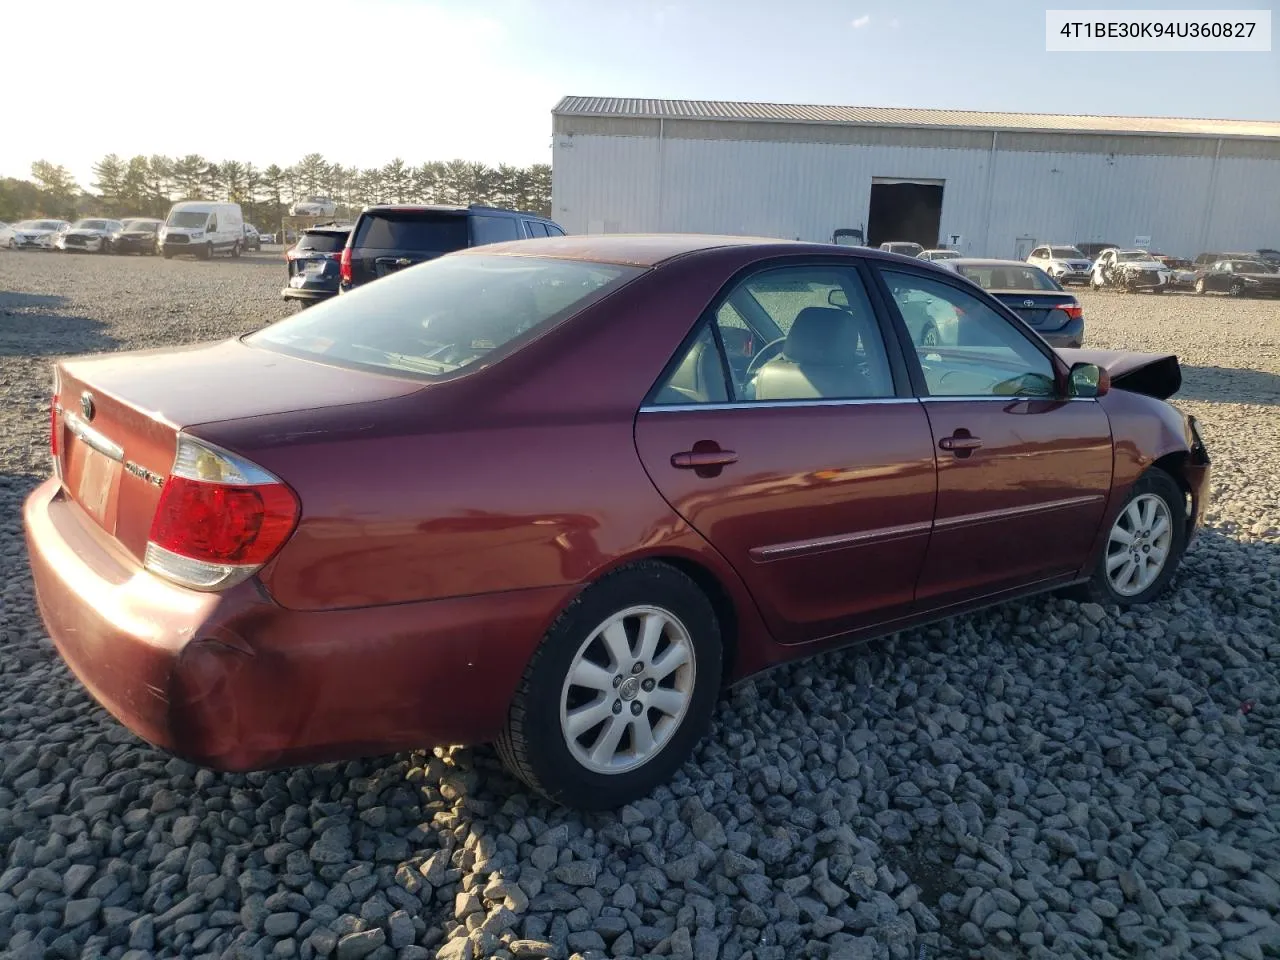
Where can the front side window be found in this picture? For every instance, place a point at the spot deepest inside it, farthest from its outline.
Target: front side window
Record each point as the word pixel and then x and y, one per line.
pixel 442 315
pixel 980 353
pixel 793 333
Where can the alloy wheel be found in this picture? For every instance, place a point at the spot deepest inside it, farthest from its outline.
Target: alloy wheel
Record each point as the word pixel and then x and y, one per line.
pixel 627 689
pixel 1139 545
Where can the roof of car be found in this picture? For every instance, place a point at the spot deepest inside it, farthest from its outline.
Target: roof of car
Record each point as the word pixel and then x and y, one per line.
pixel 450 208
pixel 650 249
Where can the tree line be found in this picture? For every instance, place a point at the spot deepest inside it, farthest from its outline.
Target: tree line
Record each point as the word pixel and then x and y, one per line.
pixel 148 186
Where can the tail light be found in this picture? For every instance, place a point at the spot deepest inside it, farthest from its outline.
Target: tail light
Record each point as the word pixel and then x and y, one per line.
pixel 1073 310
pixel 220 518
pixel 344 269
pixel 55 418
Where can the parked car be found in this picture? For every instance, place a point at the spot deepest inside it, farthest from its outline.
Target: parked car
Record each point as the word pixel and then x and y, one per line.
pixel 1182 271
pixel 904 247
pixel 1240 278
pixel 202 229
pixel 1208 259
pixel 1130 271
pixel 36 234
pixel 389 238
pixel 312 264
pixel 252 240
pixel 1065 263
pixel 314 207
pixel 136 235
pixel 526 494
pixel 1093 248
pixel 1031 293
pixel 8 236
pixel 848 237
pixel 934 256
pixel 87 236
pixel 1269 255
pixel 266 237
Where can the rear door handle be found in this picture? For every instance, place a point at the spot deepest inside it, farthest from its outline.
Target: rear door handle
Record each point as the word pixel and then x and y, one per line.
pixel 695 459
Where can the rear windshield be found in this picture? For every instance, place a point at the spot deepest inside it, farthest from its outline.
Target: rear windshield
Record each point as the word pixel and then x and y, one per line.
pixel 412 232
pixel 442 315
pixel 1009 278
pixel 323 242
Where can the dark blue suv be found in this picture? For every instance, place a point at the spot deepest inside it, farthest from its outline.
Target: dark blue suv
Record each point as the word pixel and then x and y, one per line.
pixel 389 238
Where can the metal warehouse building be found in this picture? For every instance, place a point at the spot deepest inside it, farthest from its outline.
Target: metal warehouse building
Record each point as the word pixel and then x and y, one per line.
pixel 989 184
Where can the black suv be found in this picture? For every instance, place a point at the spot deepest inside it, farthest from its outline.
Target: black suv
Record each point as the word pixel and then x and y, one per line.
pixel 388 238
pixel 313 263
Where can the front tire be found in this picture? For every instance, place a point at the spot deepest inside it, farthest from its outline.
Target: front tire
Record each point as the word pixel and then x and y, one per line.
pixel 235 251
pixel 619 692
pixel 208 251
pixel 1237 289
pixel 1200 287
pixel 1145 543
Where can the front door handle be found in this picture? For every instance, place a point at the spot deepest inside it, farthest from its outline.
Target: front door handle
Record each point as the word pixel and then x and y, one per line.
pixel 695 459
pixel 961 443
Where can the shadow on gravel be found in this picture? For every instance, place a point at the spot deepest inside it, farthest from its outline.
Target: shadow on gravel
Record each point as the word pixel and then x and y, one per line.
pixel 1229 385
pixel 48 334
pixel 10 301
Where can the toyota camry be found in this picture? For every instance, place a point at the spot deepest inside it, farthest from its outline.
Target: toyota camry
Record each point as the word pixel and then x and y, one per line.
pixel 554 494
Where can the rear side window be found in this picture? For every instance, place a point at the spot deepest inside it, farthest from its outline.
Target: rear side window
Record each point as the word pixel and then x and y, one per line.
pixel 554 231
pixel 536 228
pixel 413 232
pixel 442 315
pixel 323 242
pixel 493 230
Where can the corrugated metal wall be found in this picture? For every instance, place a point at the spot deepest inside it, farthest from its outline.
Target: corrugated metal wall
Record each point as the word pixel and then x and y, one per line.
pixel 807 190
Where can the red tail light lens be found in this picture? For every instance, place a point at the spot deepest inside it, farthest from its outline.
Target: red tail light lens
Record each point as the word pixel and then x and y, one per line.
pixel 54 430
pixel 344 269
pixel 220 518
pixel 1073 310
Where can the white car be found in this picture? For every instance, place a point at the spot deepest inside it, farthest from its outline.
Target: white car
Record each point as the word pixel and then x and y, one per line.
pixel 88 236
pixel 37 234
pixel 1064 262
pixel 936 256
pixel 1131 271
pixel 314 207
pixel 7 236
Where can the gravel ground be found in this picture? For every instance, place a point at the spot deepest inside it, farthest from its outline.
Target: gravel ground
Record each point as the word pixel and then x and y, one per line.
pixel 1040 780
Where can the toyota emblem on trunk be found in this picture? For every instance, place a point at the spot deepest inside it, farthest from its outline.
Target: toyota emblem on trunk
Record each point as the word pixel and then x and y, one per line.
pixel 1028 303
pixel 86 405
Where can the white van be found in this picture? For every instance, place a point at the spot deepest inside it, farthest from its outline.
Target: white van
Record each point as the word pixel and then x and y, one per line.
pixel 202 228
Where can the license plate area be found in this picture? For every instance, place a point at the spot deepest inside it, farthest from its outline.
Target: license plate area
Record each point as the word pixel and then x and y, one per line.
pixel 93 479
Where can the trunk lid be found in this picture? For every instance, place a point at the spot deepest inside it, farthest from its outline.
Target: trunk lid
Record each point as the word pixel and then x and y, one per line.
pixel 1043 311
pixel 121 414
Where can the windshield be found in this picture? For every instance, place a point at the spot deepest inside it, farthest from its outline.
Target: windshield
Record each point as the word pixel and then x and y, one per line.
pixel 39 224
pixel 141 226
pixel 440 316
pixel 89 225
pixel 1066 253
pixel 1009 278
pixel 187 218
pixel 1132 256
pixel 944 255
pixel 323 242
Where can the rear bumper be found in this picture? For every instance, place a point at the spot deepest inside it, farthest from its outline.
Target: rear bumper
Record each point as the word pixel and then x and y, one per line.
pixel 1072 335
pixel 235 682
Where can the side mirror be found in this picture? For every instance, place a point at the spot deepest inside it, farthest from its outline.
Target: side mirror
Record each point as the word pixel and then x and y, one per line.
pixel 1088 380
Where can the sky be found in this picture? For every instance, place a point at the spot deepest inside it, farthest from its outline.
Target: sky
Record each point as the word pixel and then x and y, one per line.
pixel 365 81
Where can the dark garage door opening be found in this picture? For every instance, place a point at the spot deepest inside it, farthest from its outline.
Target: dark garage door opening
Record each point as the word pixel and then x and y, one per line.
pixel 904 210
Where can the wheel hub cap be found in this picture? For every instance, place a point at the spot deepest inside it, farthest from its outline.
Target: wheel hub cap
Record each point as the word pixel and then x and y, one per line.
pixel 1139 545
pixel 630 687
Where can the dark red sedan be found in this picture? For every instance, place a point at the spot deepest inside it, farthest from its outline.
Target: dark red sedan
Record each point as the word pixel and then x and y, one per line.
pixel 554 493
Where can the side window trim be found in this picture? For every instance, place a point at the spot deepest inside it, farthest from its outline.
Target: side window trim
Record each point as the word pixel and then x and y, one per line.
pixel 916 372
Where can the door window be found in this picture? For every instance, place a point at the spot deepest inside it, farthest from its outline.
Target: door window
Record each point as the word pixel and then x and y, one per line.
pixel 794 333
pixel 213 223
pixel 980 353
pixel 493 230
pixel 535 228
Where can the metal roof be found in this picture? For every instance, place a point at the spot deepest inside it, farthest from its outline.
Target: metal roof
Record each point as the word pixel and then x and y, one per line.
pixel 910 117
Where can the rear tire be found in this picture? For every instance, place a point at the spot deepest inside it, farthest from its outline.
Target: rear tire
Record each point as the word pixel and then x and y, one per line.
pixel 602 664
pixel 1152 522
pixel 1237 289
pixel 1200 287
